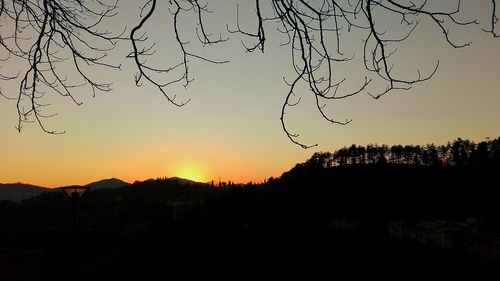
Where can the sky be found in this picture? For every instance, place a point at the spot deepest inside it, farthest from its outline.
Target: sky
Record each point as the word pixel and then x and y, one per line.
pixel 230 130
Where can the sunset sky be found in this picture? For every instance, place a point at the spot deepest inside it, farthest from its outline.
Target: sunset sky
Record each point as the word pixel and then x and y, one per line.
pixel 231 128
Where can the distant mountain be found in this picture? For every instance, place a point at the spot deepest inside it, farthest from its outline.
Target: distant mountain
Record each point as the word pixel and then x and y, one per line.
pixel 181 181
pixel 108 184
pixel 19 191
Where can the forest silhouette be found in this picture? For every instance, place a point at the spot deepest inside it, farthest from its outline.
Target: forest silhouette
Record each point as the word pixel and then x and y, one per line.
pixel 377 211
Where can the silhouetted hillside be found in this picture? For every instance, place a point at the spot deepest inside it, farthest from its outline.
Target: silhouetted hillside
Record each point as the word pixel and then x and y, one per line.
pixel 389 221
pixel 20 191
pixel 108 183
pixel 180 181
pixel 460 152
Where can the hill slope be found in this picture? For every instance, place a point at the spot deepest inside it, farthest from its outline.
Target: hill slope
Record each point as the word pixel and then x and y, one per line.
pixel 108 183
pixel 18 191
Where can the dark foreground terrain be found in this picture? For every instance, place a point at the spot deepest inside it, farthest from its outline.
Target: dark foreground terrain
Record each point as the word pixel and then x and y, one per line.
pixel 394 222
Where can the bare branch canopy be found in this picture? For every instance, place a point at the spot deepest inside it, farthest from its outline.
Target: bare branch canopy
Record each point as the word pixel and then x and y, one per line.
pixel 40 36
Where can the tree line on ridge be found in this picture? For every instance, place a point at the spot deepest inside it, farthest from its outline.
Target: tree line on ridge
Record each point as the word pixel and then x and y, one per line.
pixel 460 152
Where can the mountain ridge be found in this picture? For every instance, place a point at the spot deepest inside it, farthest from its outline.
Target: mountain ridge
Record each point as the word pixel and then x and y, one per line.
pixel 110 183
pixel 17 192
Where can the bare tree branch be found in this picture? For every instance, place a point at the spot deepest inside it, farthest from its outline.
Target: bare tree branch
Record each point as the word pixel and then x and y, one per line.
pixel 494 20
pixel 307 24
pixel 45 34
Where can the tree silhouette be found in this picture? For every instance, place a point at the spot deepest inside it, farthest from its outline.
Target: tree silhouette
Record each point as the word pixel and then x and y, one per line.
pixel 480 156
pixel 430 156
pixel 495 152
pixel 460 152
pixel 44 35
pixel 371 153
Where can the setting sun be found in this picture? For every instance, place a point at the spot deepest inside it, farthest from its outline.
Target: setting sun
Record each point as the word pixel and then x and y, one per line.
pixel 191 172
